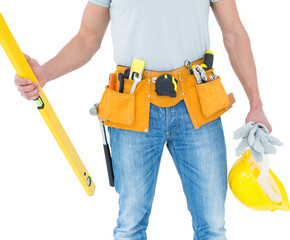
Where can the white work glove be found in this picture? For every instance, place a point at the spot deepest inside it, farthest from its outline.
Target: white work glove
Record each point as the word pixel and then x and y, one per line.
pixel 256 137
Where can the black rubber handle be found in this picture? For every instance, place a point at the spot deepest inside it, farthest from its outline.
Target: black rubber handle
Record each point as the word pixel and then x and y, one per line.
pixel 121 80
pixel 127 73
pixel 109 165
pixel 208 60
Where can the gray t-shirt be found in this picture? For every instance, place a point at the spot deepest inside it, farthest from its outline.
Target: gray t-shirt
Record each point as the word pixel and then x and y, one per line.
pixel 163 33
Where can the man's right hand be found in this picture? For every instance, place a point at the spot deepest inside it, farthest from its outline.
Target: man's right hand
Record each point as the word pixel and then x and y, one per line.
pixel 25 86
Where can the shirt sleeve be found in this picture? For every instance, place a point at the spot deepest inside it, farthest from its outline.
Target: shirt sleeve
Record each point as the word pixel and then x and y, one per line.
pixel 103 3
pixel 214 0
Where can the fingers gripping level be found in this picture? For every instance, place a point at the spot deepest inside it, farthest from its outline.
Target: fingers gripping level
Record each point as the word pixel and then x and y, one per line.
pixel 23 69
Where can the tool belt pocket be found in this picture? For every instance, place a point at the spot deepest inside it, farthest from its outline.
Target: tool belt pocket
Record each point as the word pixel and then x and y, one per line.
pixel 117 107
pixel 212 97
pixel 124 110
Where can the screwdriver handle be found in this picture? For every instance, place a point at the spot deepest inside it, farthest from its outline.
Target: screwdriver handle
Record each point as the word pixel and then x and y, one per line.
pixel 121 80
pixel 112 81
pixel 208 60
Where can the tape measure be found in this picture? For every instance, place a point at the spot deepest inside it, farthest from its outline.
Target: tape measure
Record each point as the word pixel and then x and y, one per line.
pixel 166 85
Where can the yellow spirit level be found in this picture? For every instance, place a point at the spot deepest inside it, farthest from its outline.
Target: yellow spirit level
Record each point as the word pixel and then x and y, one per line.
pixel 23 70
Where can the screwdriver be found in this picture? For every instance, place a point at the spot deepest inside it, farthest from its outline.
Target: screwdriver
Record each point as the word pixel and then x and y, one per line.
pixel 208 60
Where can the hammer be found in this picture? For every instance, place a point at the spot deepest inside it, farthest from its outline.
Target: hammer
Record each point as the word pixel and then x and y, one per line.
pixel 94 112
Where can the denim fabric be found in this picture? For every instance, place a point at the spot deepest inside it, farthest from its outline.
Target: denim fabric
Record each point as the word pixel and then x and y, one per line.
pixel 200 159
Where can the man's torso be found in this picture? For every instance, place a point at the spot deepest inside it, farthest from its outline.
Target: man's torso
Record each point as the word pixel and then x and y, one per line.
pixel 163 33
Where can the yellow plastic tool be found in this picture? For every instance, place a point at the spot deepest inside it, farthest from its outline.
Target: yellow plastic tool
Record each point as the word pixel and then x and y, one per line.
pixel 136 73
pixel 23 70
pixel 137 67
pixel 256 186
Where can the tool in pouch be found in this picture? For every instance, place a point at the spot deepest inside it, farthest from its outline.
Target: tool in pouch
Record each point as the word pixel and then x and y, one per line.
pixel 136 72
pixel 127 73
pixel 211 93
pixel 94 112
pixel 23 69
pixel 121 82
pixel 112 81
pixel 199 70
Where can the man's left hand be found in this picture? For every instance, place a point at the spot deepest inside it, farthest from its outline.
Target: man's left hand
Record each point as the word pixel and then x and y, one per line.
pixel 257 115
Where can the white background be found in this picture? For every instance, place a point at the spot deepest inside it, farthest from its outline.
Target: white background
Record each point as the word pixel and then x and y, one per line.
pixel 41 198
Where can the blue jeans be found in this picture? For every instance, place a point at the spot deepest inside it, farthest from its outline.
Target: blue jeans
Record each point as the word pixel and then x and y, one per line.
pixel 200 159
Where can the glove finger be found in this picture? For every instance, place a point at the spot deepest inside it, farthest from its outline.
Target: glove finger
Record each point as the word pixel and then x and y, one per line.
pixel 258 157
pixel 243 131
pixel 252 137
pixel 274 140
pixel 258 146
pixel 263 138
pixel 269 148
pixel 241 147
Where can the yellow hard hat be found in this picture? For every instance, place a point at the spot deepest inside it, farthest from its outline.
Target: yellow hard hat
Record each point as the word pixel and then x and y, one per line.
pixel 256 186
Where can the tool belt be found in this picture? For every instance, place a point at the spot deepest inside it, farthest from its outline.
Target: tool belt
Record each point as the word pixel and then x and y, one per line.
pixel 204 102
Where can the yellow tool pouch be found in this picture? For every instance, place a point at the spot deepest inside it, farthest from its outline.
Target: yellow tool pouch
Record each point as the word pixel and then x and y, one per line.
pixel 121 107
pixel 204 102
pixel 212 97
pixel 124 110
